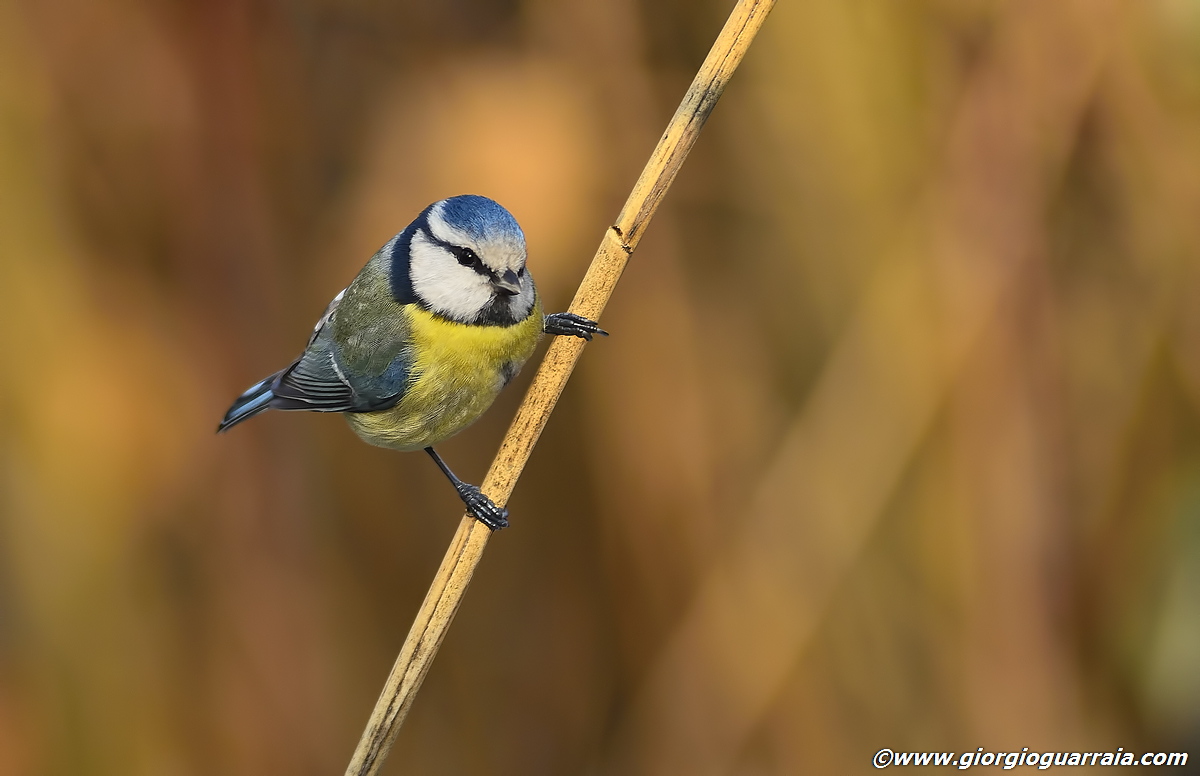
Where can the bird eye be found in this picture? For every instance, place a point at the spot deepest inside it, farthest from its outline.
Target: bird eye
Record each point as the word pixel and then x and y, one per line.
pixel 465 256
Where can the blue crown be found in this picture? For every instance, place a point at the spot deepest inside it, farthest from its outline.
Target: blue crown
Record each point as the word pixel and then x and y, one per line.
pixel 481 218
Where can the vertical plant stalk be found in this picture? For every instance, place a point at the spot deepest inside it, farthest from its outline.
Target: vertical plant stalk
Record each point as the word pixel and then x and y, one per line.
pixel 448 587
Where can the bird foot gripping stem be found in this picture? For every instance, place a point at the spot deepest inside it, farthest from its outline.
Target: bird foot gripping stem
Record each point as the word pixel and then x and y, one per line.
pixel 572 325
pixel 481 507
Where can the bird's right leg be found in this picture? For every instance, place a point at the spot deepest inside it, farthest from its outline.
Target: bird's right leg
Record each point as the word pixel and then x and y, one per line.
pixel 479 505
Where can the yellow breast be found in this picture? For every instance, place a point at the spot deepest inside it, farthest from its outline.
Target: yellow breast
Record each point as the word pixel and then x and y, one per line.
pixel 456 374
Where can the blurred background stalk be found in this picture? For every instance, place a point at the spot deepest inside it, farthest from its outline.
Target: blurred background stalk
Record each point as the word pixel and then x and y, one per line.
pixel 925 415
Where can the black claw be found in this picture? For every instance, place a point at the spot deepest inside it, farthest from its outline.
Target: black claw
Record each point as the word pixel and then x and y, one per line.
pixel 572 325
pixel 482 508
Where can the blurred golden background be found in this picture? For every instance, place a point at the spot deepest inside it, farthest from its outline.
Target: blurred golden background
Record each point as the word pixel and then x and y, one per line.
pixel 896 442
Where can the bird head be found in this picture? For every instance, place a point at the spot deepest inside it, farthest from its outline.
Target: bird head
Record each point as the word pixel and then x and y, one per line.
pixel 464 259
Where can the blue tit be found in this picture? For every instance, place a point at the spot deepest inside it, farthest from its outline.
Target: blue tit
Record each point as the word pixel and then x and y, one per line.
pixel 421 342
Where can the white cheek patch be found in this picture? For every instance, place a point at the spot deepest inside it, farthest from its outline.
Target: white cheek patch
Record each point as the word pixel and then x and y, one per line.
pixel 446 286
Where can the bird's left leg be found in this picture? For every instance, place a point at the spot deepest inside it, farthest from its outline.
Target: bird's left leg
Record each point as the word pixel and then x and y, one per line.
pixel 480 506
pixel 571 325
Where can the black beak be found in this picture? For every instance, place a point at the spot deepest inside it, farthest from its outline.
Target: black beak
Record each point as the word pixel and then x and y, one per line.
pixel 508 283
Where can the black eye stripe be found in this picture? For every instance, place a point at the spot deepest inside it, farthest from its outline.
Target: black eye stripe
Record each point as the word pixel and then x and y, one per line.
pixel 465 256
pixel 462 254
pixel 468 258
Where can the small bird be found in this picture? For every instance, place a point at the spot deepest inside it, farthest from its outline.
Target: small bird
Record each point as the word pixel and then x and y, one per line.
pixel 420 343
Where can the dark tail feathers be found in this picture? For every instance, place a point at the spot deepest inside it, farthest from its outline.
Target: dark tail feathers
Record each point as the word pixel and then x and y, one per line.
pixel 255 400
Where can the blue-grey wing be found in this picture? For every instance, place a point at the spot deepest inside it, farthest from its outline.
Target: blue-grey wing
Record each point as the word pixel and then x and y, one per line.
pixel 320 381
pixel 326 317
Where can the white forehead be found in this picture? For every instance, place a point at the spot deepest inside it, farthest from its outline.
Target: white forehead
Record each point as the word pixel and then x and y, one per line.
pixel 499 243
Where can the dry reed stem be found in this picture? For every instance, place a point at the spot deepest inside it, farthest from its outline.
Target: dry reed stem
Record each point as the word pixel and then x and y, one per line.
pixel 446 592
